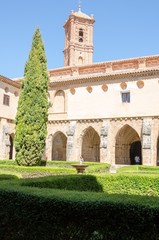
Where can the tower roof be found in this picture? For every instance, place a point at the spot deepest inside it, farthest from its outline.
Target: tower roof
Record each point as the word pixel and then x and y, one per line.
pixel 81 14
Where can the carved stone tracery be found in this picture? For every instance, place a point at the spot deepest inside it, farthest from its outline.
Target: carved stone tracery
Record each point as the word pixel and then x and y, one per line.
pixel 104 135
pixel 146 134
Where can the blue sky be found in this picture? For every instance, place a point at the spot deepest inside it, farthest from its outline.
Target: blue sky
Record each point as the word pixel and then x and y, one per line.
pixel 122 29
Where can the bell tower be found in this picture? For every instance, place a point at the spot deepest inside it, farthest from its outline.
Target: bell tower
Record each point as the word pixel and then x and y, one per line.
pixel 78 48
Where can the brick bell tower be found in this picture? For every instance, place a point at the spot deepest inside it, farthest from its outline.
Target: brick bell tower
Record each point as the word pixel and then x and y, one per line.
pixel 78 48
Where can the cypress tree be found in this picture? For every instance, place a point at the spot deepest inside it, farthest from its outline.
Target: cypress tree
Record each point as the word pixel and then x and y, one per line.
pixel 32 113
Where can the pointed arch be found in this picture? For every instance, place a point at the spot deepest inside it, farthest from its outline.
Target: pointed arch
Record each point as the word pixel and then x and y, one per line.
pixel 90 145
pixel 59 102
pixel 127 146
pixel 59 141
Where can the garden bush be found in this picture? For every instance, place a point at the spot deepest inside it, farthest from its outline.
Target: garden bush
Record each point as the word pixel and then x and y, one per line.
pixel 7 177
pixel 84 207
pixel 112 184
pixel 70 182
pixel 34 213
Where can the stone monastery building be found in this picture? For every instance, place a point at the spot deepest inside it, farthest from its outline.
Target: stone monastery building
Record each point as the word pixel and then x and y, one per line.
pixel 105 112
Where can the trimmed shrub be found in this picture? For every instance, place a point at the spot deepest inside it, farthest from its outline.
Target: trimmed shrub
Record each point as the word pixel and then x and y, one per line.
pixel 71 182
pixel 7 177
pixel 33 213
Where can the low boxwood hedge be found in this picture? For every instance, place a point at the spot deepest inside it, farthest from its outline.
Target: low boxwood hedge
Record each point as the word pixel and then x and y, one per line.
pixel 7 177
pixel 118 184
pixel 33 213
pixel 70 182
pixel 33 209
pixel 50 168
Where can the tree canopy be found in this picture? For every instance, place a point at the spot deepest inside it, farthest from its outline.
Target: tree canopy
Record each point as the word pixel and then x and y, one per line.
pixel 32 113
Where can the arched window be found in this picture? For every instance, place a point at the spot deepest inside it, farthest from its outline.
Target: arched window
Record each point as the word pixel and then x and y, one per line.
pixel 59 102
pixel 80 35
pixel 80 60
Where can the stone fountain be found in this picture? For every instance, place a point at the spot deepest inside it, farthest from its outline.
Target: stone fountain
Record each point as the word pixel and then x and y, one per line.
pixel 80 167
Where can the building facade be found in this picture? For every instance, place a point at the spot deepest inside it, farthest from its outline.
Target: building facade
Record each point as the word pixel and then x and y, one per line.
pixel 105 112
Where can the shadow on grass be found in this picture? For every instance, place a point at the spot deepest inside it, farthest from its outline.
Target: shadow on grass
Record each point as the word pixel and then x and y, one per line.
pixel 8 177
pixel 70 182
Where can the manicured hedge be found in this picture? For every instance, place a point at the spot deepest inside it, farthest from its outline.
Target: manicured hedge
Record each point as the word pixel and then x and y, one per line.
pixel 35 171
pixel 130 184
pixel 112 184
pixel 70 182
pixel 32 213
pixel 29 212
pixel 51 168
pixel 8 177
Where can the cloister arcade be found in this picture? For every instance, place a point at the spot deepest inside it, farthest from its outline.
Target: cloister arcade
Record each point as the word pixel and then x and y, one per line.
pixel 87 143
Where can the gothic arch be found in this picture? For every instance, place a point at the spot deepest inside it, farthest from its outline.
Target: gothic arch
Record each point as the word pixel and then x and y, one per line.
pixel 59 102
pixel 127 146
pixel 90 145
pixel 59 141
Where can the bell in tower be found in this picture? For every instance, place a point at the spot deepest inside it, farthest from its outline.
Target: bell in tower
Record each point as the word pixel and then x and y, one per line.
pixel 78 48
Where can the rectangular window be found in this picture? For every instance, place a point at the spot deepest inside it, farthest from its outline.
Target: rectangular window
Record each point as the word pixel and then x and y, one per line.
pixel 125 97
pixel 6 99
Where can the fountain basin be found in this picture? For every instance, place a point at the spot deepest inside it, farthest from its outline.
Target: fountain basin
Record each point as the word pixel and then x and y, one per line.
pixel 80 167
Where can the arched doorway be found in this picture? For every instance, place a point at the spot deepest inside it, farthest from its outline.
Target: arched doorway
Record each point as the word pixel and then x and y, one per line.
pixel 128 146
pixel 59 142
pixel 90 146
pixel 11 139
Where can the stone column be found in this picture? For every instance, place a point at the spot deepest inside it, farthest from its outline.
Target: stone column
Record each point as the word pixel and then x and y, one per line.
pixel 104 143
pixel 146 141
pixel 154 142
pixel 4 140
pixel 70 141
pixel 48 148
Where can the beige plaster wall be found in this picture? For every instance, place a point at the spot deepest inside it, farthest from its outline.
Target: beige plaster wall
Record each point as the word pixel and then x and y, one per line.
pixel 100 104
pixel 8 112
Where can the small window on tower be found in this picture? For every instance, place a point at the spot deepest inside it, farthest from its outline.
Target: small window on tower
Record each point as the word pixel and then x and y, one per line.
pixel 80 35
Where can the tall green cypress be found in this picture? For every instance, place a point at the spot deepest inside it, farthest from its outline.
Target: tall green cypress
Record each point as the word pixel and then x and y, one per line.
pixel 32 113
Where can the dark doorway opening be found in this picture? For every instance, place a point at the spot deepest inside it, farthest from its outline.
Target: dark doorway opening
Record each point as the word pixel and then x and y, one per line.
pixel 135 153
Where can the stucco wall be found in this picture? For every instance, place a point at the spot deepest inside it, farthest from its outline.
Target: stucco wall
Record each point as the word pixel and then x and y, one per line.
pixel 108 104
pixel 8 112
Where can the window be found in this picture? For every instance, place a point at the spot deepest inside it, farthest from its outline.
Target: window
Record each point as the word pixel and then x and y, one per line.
pixel 80 60
pixel 125 97
pixel 6 99
pixel 59 102
pixel 80 35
